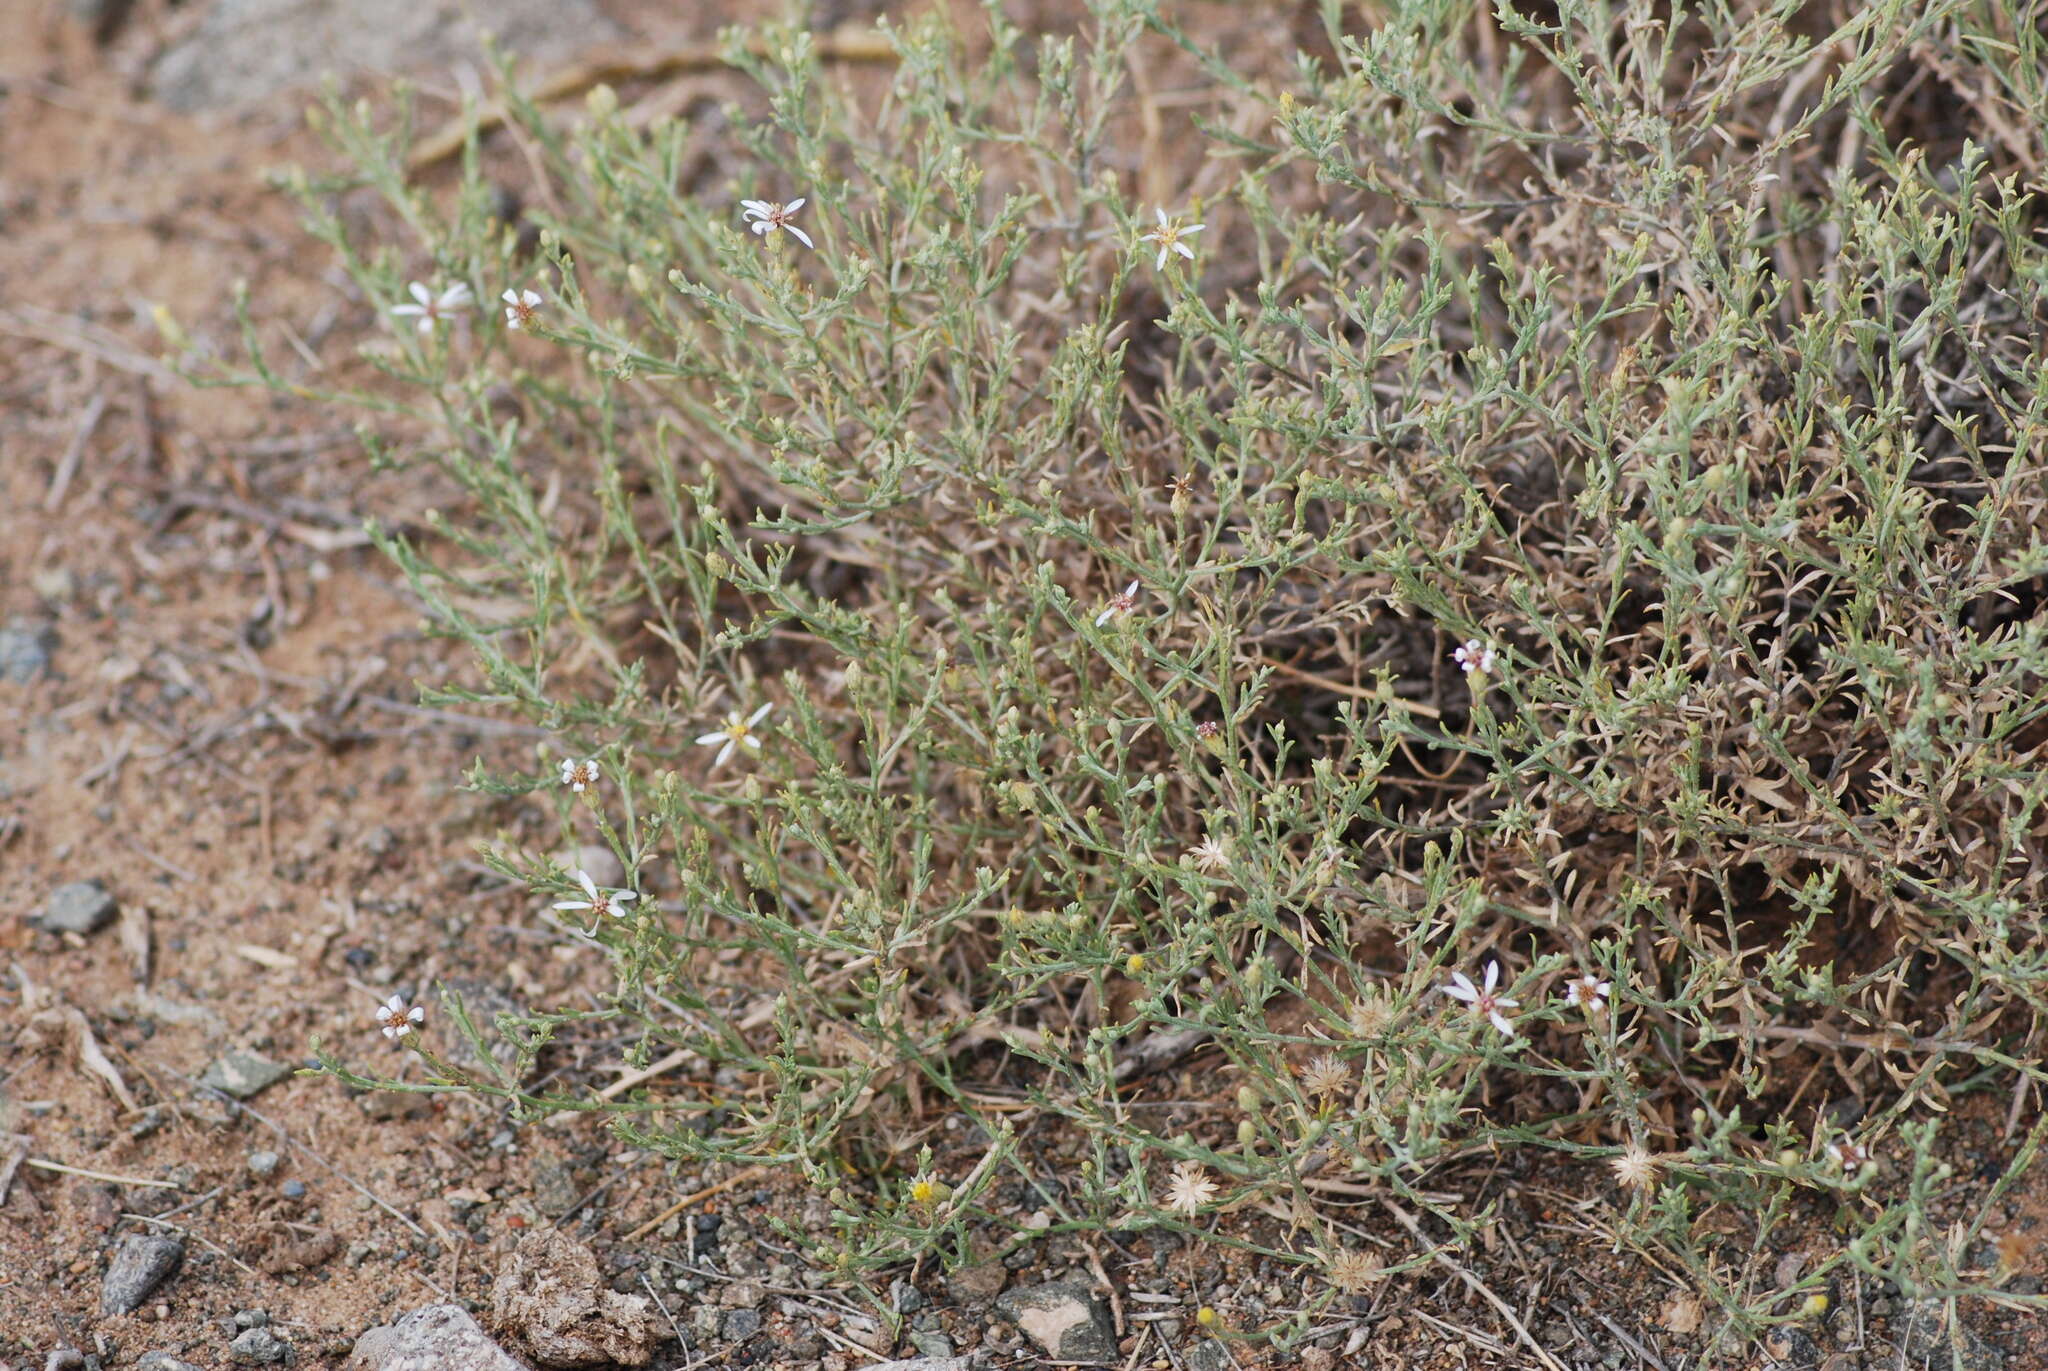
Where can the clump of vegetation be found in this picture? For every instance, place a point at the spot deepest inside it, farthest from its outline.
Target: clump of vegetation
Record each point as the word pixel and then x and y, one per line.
pixel 1524 632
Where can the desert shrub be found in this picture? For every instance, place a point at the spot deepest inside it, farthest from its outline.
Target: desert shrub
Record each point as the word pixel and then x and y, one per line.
pixel 1678 370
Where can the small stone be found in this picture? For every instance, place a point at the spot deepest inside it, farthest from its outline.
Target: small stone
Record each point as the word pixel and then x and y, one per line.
pixel 244 1075
pixel 80 907
pixel 907 1298
pixel 742 1295
pixel 935 1346
pixel 263 1165
pixel 25 648
pixel 740 1324
pixel 252 1318
pixel 921 1364
pixel 141 1263
pixel 978 1283
pixel 439 1337
pixel 1210 1355
pixel 258 1347
pixel 163 1361
pixel 1065 1319
pixel 293 1190
pixel 65 1359
pixel 602 866
pixel 1789 1349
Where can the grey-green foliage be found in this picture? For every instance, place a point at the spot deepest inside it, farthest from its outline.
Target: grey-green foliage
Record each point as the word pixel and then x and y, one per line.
pixel 1663 353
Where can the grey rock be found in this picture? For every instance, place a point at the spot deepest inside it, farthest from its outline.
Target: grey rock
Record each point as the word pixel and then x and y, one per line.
pixel 141 1263
pixel 739 1324
pixel 1065 1319
pixel 907 1297
pixel 1925 1337
pixel 244 1075
pixel 1789 1349
pixel 64 1359
pixel 25 648
pixel 258 1347
pixel 252 1318
pixel 1210 1355
pixel 922 1364
pixel 245 50
pixel 163 1361
pixel 439 1337
pixel 934 1346
pixel 264 1164
pixel 80 907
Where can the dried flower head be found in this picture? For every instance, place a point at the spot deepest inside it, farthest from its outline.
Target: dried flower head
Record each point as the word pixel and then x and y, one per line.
pixel 1169 235
pixel 1352 1271
pixel 736 733
pixel 1189 1187
pixel 1327 1074
pixel 1474 656
pixel 765 217
pixel 1635 1167
pixel 581 775
pixel 1212 854
pixel 397 1019
pixel 1370 1014
pixel 519 307
pixel 432 308
pixel 1483 999
pixel 599 902
pixel 1586 994
pixel 1123 602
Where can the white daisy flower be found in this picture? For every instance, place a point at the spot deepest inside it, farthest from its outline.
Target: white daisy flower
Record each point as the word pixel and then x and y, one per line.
pixel 1168 235
pixel 1587 994
pixel 1483 999
pixel 766 216
pixel 1212 854
pixel 1123 602
pixel 600 902
pixel 579 776
pixel 1189 1188
pixel 397 1019
pixel 1473 655
pixel 519 307
pixel 432 308
pixel 736 733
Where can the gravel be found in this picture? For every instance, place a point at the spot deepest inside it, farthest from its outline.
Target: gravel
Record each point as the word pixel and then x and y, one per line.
pixel 141 1263
pixel 80 907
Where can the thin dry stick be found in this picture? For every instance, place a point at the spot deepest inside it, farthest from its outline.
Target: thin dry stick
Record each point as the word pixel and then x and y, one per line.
pixel 42 1165
pixel 1472 1282
pixel 67 465
pixel 736 1178
pixel 324 1164
pixel 628 66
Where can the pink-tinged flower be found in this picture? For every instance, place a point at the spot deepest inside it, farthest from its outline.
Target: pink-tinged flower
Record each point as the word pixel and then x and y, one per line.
pixel 432 308
pixel 1851 1157
pixel 580 776
pixel 1208 730
pixel 397 1019
pixel 520 306
pixel 737 732
pixel 1168 235
pixel 599 902
pixel 766 217
pixel 1189 1188
pixel 1484 1000
pixel 1475 656
pixel 1586 994
pixel 1123 602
